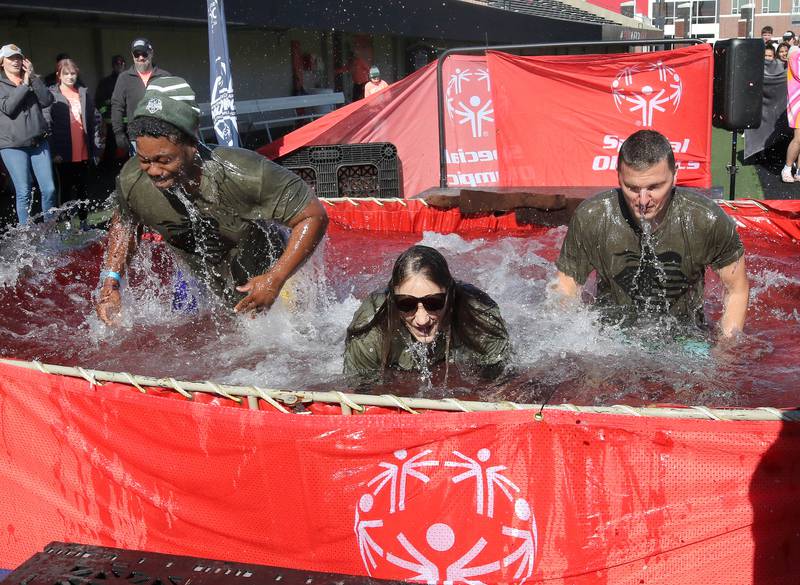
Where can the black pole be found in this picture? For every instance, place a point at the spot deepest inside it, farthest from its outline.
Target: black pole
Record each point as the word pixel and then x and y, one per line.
pixel 733 168
pixel 483 49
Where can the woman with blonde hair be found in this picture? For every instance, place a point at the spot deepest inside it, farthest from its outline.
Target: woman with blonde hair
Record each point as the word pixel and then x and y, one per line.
pixel 23 130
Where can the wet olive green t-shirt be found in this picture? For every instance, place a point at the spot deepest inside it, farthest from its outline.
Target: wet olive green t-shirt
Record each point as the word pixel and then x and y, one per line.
pixel 362 353
pixel 666 275
pixel 238 187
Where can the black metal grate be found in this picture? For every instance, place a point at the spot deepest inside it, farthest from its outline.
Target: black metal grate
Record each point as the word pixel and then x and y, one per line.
pixel 348 170
pixel 79 564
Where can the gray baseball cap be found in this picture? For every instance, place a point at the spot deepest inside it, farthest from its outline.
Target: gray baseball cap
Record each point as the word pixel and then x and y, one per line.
pixel 10 51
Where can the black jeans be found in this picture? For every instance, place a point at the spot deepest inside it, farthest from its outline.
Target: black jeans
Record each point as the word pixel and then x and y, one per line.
pixel 73 181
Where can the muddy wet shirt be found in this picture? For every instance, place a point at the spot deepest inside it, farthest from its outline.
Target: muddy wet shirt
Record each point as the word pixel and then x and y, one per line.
pixel 362 353
pixel 666 276
pixel 237 188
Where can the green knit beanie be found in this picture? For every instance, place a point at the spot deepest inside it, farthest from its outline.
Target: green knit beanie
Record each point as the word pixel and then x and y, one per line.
pixel 172 100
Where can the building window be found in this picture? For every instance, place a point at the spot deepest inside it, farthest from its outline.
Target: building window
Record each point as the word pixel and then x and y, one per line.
pixel 771 6
pixel 795 6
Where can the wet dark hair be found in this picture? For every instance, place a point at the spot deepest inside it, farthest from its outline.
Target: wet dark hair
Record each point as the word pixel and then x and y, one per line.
pixel 646 148
pixel 158 128
pixel 457 316
pixel 769 47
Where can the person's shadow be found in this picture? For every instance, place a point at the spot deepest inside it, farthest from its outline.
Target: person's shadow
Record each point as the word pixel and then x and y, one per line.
pixel 775 500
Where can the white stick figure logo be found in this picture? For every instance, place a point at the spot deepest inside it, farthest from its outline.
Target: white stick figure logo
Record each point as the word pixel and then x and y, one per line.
pixel 489 477
pixel 399 474
pixel 647 89
pixel 487 539
pixel 366 544
pixel 469 99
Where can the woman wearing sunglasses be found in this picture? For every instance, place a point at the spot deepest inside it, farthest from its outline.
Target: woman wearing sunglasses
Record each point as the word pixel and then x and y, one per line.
pixel 425 317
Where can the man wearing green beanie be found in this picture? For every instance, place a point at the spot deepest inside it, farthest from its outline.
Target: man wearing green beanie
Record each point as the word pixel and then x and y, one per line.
pixel 218 210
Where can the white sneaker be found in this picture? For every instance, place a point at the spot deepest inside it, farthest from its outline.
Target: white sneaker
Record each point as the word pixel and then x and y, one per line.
pixel 786 176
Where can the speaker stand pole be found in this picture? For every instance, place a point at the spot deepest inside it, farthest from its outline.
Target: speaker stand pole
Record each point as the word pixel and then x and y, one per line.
pixel 733 168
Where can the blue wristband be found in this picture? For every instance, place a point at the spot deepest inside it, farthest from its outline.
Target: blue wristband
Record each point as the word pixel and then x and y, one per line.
pixel 110 274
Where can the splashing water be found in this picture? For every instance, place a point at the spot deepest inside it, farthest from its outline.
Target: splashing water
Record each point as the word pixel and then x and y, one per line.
pixel 563 354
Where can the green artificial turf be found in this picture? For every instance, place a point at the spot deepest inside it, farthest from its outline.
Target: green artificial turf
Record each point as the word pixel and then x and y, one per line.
pixel 747 183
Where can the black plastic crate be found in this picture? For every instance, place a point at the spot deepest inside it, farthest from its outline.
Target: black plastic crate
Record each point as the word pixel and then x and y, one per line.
pixel 80 564
pixel 348 170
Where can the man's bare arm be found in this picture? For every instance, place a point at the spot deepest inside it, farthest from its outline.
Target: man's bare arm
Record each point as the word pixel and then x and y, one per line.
pixel 308 227
pixel 737 296
pixel 119 249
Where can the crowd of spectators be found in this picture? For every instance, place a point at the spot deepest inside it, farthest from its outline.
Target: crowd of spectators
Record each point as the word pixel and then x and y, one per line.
pixel 55 129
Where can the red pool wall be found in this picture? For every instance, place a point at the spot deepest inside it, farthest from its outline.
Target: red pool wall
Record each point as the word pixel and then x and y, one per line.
pixel 595 498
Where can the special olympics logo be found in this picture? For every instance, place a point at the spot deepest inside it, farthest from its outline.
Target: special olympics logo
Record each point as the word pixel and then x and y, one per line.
pixel 213 7
pixel 469 99
pixel 399 523
pixel 647 89
pixel 154 105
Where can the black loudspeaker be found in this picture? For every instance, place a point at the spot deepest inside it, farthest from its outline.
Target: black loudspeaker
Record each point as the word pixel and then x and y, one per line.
pixel 738 83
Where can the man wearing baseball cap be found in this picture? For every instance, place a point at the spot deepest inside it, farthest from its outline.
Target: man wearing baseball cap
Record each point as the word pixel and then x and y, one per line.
pixel 375 83
pixel 218 210
pixel 789 37
pixel 130 87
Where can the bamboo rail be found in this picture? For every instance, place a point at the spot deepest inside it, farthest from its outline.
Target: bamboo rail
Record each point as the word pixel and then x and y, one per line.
pixel 350 402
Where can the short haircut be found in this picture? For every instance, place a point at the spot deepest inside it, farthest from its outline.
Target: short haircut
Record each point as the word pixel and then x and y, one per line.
pixel 646 148
pixel 766 29
pixel 769 48
pixel 158 128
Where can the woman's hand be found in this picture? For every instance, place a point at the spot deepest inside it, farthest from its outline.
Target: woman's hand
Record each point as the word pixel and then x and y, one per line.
pixel 27 67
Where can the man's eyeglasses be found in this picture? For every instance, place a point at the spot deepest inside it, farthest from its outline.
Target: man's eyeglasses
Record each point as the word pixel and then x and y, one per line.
pixel 431 303
pixel 138 54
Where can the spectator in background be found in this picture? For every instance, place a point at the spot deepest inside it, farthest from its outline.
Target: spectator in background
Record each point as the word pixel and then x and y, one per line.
pixel 23 129
pixel 129 89
pixel 102 100
pixel 782 53
pixel 793 113
pixel 766 35
pixel 77 135
pixel 375 83
pixel 789 37
pixel 50 79
pixel 359 73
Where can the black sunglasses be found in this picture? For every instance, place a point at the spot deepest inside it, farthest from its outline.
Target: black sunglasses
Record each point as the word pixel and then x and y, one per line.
pixel 407 303
pixel 141 54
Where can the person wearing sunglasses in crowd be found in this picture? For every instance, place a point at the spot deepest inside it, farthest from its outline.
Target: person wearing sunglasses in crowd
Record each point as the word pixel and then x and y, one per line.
pixel 424 317
pixel 129 89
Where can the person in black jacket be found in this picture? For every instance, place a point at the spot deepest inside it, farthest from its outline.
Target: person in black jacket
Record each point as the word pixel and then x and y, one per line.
pixel 102 101
pixel 130 87
pixel 76 138
pixel 23 130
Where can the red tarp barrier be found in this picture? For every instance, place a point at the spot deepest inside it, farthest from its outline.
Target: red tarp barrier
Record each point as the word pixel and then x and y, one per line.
pixel 405 115
pixel 776 218
pixel 498 135
pixel 459 497
pixel 585 107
